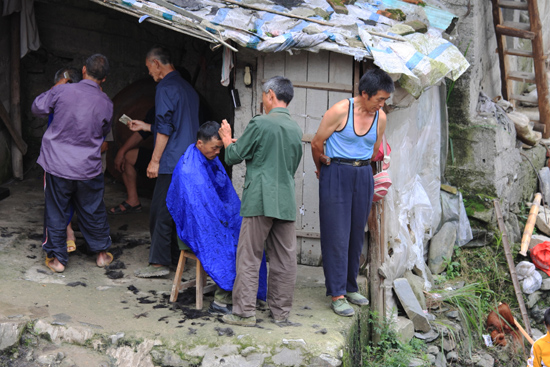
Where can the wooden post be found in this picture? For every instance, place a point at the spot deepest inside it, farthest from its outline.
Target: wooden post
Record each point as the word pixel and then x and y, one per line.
pixel 540 67
pixel 375 261
pixel 511 266
pixel 15 92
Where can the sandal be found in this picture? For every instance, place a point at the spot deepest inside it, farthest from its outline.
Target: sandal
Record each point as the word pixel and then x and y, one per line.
pixel 48 261
pixel 107 262
pixel 71 246
pixel 127 209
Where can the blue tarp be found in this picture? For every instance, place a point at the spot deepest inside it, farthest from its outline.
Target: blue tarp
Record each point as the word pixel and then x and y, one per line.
pixel 205 208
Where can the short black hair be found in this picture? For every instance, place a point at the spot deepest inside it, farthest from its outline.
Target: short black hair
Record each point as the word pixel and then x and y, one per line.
pixel 208 131
pixel 97 66
pixel 547 317
pixel 161 54
pixel 75 75
pixel 375 80
pixel 281 86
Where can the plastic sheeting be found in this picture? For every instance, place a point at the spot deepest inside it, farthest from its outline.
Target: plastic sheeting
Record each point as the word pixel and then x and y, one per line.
pixel 205 208
pixel 454 211
pixel 421 60
pixel 412 206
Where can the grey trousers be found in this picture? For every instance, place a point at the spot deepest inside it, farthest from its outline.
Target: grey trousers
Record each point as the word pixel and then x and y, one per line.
pixel 280 244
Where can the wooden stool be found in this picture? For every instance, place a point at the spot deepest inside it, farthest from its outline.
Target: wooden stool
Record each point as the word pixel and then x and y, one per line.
pixel 199 282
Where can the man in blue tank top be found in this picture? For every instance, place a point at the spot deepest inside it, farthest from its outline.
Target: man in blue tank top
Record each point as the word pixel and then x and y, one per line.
pixel 352 130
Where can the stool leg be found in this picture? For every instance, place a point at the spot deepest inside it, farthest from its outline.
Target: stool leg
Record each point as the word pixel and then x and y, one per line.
pixel 177 278
pixel 199 284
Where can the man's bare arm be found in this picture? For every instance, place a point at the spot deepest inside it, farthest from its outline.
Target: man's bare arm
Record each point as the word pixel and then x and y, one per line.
pixel 331 121
pixel 381 130
pixel 160 145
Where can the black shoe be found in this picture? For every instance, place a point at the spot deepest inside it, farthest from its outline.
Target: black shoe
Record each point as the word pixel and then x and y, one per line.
pixel 216 309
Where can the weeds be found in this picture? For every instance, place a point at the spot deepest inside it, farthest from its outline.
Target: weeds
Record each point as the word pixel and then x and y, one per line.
pixel 389 352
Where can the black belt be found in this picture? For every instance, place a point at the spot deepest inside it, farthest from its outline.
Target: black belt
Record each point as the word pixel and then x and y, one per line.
pixel 351 162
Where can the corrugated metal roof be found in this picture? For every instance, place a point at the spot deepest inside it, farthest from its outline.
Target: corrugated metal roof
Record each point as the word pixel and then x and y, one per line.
pixel 313 25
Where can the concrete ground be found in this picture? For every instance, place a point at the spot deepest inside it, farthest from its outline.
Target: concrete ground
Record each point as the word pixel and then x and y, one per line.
pixel 128 321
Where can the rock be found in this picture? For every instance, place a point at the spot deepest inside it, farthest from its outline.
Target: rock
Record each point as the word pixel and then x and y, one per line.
pixel 167 358
pixel 247 351
pixel 426 272
pixel 432 349
pixel 440 360
pixel 10 333
pixel 449 344
pixel 430 336
pixel 417 285
pixel 46 359
pixel 410 304
pixel 442 246
pixel 418 26
pixel 533 298
pixel 431 359
pixel 452 357
pixel 404 329
pixel 541 223
pixel 537 314
pixel 138 355
pixel 481 238
pixel 63 334
pixel 483 360
pixel 512 225
pixel 452 315
pixel 325 360
pixel 416 362
pixel 536 333
pixel 115 338
pixel 288 357
pixel 545 286
pixel 543 275
pixel 538 238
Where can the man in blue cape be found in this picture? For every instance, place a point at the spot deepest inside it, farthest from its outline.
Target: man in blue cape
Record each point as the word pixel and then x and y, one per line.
pixel 205 208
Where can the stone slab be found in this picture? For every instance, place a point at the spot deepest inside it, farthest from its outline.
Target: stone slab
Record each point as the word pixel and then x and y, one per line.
pixel 411 305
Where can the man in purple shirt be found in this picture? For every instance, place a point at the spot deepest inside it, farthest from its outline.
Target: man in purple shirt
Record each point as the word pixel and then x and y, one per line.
pixel 71 157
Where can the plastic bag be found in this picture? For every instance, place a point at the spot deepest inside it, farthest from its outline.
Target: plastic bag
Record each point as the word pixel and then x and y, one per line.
pixel 540 255
pixel 532 280
pixel 452 208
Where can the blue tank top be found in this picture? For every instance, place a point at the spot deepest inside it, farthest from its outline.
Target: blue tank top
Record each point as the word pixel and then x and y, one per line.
pixel 347 144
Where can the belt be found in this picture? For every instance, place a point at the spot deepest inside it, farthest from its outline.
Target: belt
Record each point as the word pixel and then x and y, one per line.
pixel 351 162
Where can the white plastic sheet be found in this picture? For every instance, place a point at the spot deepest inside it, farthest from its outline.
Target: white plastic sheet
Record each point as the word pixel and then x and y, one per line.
pixel 453 210
pixel 412 206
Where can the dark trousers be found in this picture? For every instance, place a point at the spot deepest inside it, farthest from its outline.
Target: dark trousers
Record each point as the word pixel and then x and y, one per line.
pixel 345 200
pixel 164 248
pixel 87 199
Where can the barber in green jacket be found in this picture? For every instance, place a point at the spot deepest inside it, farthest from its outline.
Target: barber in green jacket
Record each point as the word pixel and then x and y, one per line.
pixel 271 145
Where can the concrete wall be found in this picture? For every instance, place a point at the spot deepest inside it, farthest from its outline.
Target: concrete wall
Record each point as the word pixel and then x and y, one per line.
pixel 72 30
pixel 486 162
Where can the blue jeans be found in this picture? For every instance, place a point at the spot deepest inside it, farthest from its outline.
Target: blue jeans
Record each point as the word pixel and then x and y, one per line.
pixel 87 199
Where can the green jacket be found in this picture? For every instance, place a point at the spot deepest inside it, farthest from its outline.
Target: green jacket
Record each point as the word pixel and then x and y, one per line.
pixel 271 145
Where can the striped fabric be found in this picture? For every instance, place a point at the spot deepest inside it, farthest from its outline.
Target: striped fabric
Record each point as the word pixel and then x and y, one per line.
pixel 382 183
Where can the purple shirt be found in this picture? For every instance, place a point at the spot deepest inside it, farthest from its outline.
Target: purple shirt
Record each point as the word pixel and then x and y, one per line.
pixel 71 146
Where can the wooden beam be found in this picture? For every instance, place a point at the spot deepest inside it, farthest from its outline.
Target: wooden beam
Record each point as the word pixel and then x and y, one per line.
pixel 508 30
pixel 331 87
pixel 540 67
pixel 19 142
pixel 15 91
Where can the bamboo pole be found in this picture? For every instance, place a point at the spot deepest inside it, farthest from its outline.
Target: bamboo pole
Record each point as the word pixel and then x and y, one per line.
pixel 511 266
pixel 528 231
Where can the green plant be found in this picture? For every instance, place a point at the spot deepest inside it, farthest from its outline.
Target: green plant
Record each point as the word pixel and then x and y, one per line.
pixel 453 267
pixel 388 352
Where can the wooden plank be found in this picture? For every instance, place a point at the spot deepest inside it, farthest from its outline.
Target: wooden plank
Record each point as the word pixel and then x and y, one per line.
pixel 540 67
pixel 521 76
pixel 306 234
pixel 316 100
pixel 296 71
pixel 512 5
pixel 17 139
pixel 337 87
pixel 526 99
pixel 299 189
pixel 506 30
pixel 518 52
pixel 177 278
pixel 501 46
pixel 15 91
pixel 274 64
pixel 310 252
pixel 341 69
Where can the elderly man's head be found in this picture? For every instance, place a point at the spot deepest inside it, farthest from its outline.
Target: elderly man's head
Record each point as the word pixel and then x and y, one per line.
pixel 208 139
pixel 97 67
pixel 158 62
pixel 277 92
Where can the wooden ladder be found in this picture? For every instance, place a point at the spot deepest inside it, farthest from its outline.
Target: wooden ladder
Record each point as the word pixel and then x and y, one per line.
pixel 532 32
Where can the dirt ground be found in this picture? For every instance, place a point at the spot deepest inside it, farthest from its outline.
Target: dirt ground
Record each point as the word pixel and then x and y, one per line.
pixel 85 295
